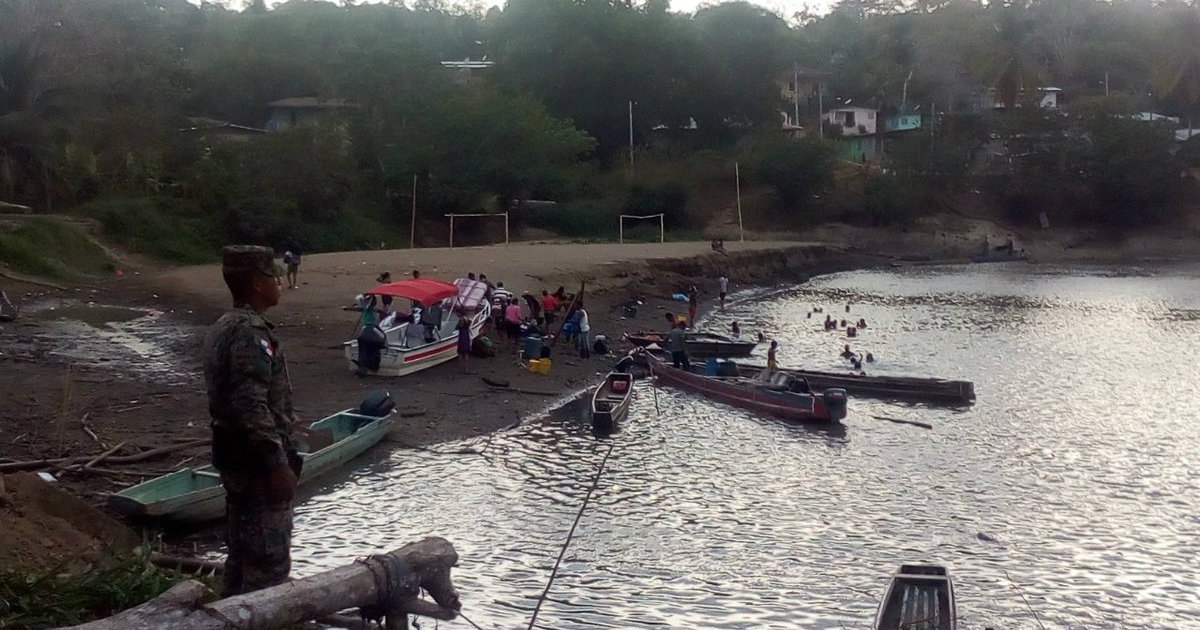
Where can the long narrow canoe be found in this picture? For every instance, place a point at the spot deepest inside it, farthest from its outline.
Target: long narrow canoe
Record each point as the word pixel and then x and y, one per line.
pixel 885 387
pixel 700 345
pixel 919 597
pixel 196 494
pixel 774 398
pixel 610 401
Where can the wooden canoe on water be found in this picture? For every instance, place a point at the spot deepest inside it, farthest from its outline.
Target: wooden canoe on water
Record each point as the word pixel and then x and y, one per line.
pixel 774 398
pixel 196 494
pixel 919 597
pixel 700 345
pixel 886 387
pixel 610 401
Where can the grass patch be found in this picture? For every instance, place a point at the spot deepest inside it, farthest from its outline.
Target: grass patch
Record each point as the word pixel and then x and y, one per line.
pixel 174 230
pixel 55 598
pixel 50 248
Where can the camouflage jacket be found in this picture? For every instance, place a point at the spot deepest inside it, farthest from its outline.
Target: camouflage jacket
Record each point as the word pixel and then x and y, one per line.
pixel 249 393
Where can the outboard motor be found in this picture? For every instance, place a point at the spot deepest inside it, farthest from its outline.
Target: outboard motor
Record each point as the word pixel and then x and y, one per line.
pixel 377 405
pixel 835 401
pixel 371 342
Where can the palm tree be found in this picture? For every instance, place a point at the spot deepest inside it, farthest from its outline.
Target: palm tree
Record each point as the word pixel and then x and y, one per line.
pixel 1178 77
pixel 1016 66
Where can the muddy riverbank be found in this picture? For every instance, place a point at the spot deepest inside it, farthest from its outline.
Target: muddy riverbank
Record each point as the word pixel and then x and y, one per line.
pixel 117 363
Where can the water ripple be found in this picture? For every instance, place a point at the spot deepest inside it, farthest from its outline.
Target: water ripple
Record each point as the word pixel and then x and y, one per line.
pixel 1074 473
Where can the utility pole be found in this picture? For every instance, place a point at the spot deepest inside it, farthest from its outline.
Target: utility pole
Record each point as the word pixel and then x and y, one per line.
pixel 630 138
pixel 820 111
pixel 1106 82
pixel 412 226
pixel 795 95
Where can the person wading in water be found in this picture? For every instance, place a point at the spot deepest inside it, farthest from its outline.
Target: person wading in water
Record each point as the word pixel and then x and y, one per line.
pixel 250 401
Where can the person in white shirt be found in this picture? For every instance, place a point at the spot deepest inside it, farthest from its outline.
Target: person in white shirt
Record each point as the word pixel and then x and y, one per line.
pixel 724 282
pixel 585 327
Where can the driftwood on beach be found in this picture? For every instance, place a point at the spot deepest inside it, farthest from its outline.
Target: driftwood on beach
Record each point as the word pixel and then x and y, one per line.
pixel 389 584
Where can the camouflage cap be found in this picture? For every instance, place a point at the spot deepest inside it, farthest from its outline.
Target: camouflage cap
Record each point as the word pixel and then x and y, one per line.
pixel 250 258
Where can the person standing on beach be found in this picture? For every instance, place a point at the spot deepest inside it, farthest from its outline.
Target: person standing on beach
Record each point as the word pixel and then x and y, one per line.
pixel 291 258
pixel 464 341
pixel 550 305
pixel 693 306
pixel 585 329
pixel 250 401
pixel 677 346
pixel 724 282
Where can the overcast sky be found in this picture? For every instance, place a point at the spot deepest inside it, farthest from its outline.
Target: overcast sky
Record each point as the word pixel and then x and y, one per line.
pixel 784 7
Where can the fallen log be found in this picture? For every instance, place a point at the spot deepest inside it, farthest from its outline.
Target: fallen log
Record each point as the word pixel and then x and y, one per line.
pixel 187 564
pixel 389 584
pixel 101 457
pixel 63 462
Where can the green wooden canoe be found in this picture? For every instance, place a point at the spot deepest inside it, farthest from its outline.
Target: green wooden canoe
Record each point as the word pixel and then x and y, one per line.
pixel 196 494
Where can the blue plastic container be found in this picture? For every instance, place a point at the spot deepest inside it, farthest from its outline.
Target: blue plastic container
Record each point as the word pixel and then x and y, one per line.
pixel 710 367
pixel 533 347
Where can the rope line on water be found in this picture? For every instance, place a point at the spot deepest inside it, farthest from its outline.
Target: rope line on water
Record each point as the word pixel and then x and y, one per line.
pixel 473 624
pixel 1021 592
pixel 563 552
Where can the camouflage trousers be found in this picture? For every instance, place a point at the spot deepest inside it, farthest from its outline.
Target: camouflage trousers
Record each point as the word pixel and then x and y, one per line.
pixel 258 533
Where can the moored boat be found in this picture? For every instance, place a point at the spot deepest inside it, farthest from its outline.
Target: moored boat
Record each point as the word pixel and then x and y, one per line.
pixel 411 346
pixel 8 310
pixel 196 494
pixel 783 396
pixel 919 597
pixel 701 345
pixel 610 401
pixel 886 387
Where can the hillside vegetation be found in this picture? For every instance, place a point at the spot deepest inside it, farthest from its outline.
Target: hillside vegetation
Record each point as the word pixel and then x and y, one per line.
pixel 146 115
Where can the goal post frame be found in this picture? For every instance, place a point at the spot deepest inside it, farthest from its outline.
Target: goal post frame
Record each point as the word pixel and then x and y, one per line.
pixel 661 225
pixel 455 215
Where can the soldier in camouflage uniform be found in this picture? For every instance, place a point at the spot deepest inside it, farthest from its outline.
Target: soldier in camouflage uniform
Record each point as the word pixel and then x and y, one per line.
pixel 250 401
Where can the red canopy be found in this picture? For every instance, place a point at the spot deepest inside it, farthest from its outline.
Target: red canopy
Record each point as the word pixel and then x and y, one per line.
pixel 422 290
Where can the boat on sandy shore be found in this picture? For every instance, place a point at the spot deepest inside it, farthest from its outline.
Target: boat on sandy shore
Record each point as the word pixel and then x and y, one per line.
pixel 394 350
pixel 195 495
pixel 919 597
pixel 700 345
pixel 783 396
pixel 610 401
pixel 8 310
pixel 1000 256
pixel 885 387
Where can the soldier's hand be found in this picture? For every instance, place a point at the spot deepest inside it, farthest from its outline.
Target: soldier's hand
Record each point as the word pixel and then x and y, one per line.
pixel 281 485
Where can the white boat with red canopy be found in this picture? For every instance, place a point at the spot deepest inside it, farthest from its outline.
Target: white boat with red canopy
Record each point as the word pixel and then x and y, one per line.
pixel 424 337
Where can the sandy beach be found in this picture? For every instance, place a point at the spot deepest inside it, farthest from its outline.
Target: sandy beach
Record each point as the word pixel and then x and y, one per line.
pixel 56 405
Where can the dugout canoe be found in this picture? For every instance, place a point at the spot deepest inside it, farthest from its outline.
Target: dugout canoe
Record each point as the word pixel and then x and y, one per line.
pixel 918 597
pixel 700 345
pixel 779 397
pixel 610 401
pixel 195 495
pixel 885 387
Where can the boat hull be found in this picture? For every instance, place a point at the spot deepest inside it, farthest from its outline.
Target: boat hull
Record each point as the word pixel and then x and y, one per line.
pixel 196 494
pixel 699 345
pixel 886 387
pixel 609 408
pixel 398 360
pixel 919 597
pixel 826 408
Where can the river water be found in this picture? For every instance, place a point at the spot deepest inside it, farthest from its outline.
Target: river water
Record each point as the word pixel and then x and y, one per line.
pixel 1071 489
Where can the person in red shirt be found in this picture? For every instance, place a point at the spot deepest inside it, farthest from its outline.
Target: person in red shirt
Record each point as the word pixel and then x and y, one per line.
pixel 550 305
